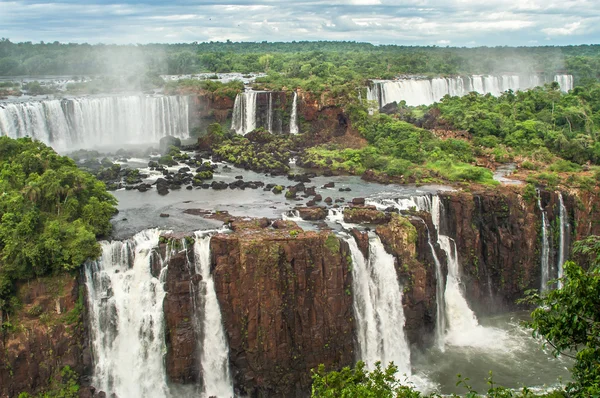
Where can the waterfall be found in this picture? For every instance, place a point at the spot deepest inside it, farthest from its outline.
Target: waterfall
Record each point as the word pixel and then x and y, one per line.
pixel 563 248
pixel 461 325
pixel 440 323
pixel 545 257
pixel 377 300
pixel 91 122
pixel 294 117
pixel 244 112
pixel 214 350
pixel 565 82
pixel 416 91
pixel 126 319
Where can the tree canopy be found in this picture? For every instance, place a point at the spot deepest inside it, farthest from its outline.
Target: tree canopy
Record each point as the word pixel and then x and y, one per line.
pixel 51 213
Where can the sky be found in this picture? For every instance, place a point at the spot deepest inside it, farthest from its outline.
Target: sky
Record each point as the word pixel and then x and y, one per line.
pixel 403 22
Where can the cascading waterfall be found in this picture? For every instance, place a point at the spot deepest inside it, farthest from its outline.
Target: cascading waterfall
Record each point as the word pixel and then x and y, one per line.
pixel 126 319
pixel 440 324
pixel 565 82
pixel 244 112
pixel 416 91
pixel 563 247
pixel 93 122
pixel 545 256
pixel 461 325
pixel 294 116
pixel 377 297
pixel 214 350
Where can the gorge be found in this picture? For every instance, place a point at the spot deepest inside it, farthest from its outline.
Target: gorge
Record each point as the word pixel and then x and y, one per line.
pixel 228 281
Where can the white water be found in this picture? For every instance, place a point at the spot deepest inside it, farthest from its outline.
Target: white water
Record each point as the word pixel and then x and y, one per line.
pixel 214 350
pixel 294 116
pixel 565 82
pixel 563 248
pixel 462 328
pixel 440 323
pixel 95 122
pixel 427 91
pixel 126 319
pixel 243 119
pixel 377 300
pixel 545 256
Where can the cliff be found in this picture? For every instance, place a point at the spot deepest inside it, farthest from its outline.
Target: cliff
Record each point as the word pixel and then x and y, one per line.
pixel 286 304
pixel 43 349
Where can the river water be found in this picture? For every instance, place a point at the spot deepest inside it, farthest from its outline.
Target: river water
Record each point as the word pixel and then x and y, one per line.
pixel 498 344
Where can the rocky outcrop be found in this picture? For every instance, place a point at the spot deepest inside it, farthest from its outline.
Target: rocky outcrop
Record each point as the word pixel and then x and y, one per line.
pixel 286 304
pixel 312 213
pixel 406 239
pixel 46 337
pixel 366 215
pixel 181 359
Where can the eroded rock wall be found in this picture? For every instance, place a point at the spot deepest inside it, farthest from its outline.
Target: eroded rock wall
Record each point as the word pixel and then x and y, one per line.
pixel 287 307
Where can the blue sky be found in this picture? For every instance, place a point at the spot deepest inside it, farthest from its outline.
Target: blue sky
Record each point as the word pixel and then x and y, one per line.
pixel 412 22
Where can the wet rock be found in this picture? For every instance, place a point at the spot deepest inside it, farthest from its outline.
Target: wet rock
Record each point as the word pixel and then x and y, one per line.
pixel 164 215
pixel 318 198
pixel 312 213
pixel 329 185
pixel 358 201
pixel 310 191
pixel 367 215
pixel 328 200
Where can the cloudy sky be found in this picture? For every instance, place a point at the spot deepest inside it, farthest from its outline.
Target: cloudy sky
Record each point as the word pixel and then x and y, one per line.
pixel 418 22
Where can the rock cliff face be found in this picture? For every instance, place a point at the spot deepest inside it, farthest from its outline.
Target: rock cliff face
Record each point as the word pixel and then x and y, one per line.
pixel 286 304
pixel 181 360
pixel 46 337
pixel 498 236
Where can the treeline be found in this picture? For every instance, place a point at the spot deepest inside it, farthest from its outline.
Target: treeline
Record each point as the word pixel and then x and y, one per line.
pixel 294 60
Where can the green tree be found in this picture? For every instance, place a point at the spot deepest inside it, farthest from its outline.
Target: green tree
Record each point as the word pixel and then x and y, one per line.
pixel 569 318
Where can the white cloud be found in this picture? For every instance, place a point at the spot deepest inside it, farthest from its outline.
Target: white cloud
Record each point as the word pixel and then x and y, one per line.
pixel 460 22
pixel 566 30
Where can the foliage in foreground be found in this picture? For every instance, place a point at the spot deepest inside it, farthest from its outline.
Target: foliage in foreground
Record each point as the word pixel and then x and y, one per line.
pixel 569 318
pixel 51 213
pixel 383 383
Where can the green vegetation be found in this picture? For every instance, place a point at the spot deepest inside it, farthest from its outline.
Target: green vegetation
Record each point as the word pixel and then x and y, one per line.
pixel 531 122
pixel 51 214
pixel 400 149
pixel 569 318
pixel 65 385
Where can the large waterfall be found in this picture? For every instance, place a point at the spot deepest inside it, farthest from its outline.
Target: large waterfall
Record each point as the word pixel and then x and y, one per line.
pixel 214 352
pixel 378 307
pixel 415 91
pixel 96 121
pixel 127 320
pixel 266 109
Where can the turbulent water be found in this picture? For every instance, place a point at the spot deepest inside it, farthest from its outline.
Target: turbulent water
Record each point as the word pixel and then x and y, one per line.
pixel 127 321
pixel 545 254
pixel 214 351
pixel 427 91
pixel 378 307
pixel 96 121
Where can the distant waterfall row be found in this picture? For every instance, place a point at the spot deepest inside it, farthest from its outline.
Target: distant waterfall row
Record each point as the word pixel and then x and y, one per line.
pixel 427 91
pixel 96 122
pixel 127 321
pixel 266 109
